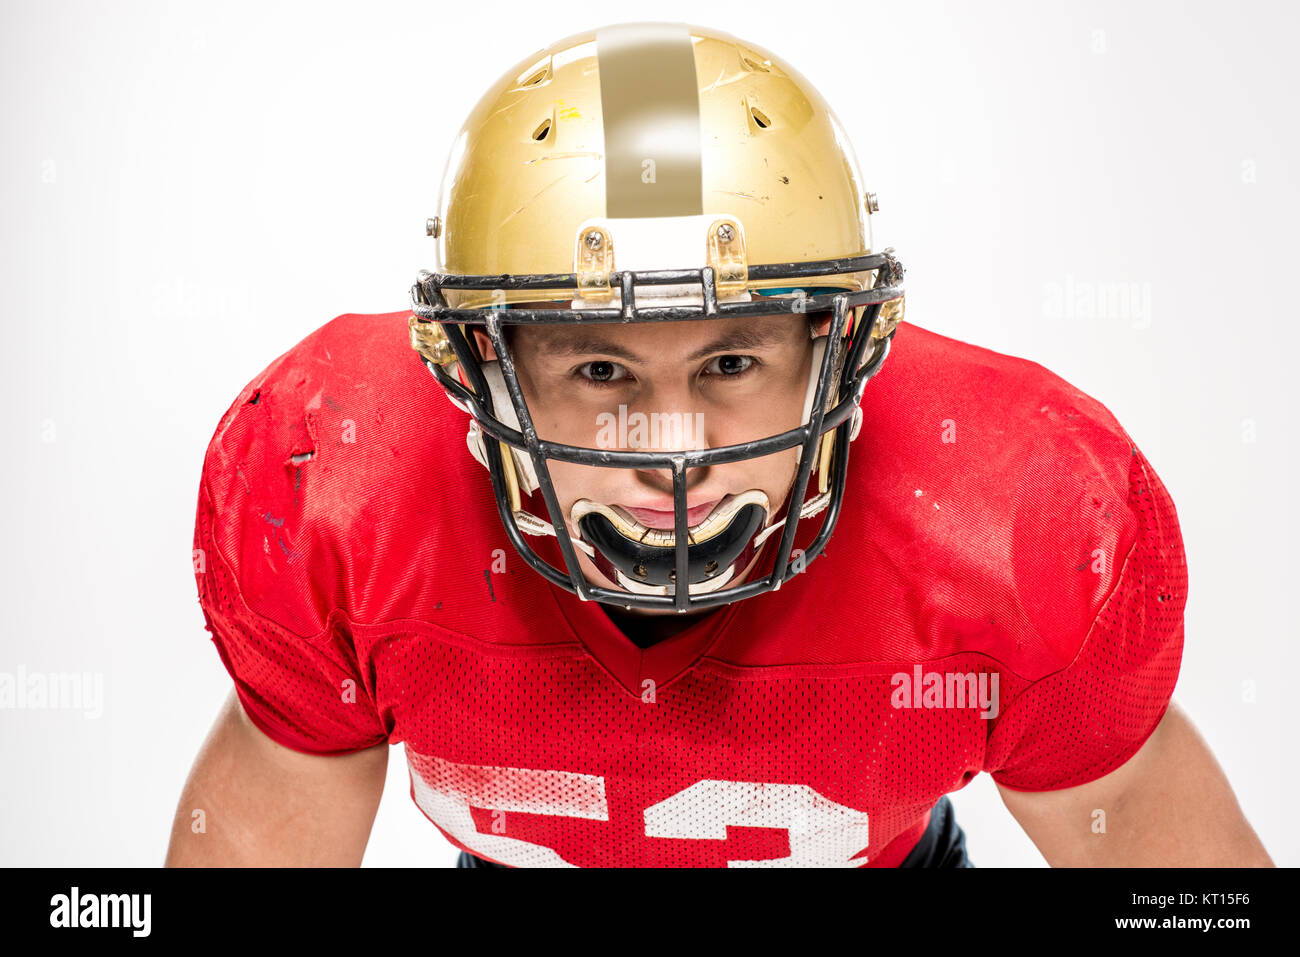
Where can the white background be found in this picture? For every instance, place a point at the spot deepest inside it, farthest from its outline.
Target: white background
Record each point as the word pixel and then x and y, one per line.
pixel 189 189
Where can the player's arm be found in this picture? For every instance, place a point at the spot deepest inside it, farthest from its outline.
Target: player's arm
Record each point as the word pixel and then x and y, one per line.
pixel 265 805
pixel 1169 805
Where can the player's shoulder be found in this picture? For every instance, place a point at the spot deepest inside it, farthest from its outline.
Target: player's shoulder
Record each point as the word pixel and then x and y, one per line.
pixel 970 415
pixel 1009 421
pixel 351 386
pixel 936 372
pixel 330 460
pixel 1010 497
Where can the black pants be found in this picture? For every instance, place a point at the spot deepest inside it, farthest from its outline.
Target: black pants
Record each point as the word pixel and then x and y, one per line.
pixel 942 845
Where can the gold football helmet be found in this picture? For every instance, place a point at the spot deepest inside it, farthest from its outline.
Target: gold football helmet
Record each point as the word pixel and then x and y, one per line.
pixel 655 172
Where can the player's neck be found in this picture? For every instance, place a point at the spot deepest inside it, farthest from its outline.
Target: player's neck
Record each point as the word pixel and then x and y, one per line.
pixel 645 630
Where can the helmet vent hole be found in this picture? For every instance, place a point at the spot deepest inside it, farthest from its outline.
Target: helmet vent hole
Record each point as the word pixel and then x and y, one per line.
pixel 760 117
pixel 536 76
pixel 539 134
pixel 752 64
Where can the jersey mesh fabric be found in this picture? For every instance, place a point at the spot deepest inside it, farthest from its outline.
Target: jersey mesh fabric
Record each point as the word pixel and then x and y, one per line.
pixel 367 593
pixel 1087 719
pixel 305 692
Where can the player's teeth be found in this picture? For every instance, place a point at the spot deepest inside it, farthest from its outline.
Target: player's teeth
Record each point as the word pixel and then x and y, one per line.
pixel 664 538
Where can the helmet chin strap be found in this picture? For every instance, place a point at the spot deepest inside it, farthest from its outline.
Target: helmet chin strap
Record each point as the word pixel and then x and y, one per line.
pixel 644 560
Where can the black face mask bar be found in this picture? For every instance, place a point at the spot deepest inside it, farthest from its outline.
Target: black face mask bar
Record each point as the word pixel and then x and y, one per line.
pixel 429 305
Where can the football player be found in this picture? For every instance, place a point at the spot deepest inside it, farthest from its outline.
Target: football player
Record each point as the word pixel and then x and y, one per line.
pixel 597 555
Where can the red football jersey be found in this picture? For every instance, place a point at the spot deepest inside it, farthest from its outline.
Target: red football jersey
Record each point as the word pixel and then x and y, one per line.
pixel 1004 592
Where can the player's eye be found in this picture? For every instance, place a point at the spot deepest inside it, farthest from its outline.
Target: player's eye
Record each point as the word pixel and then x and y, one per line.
pixel 601 373
pixel 729 366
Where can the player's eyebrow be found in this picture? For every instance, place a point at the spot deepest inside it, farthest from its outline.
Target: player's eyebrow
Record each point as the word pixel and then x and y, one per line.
pixel 588 342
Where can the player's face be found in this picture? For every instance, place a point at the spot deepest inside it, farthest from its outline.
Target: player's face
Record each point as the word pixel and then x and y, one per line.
pixel 664 387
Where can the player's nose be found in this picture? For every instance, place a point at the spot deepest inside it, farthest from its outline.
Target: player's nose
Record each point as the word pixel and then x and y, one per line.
pixel 668 421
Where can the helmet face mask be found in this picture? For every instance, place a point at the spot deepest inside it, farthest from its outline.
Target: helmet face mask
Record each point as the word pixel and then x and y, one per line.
pixel 852 356
pixel 858 295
